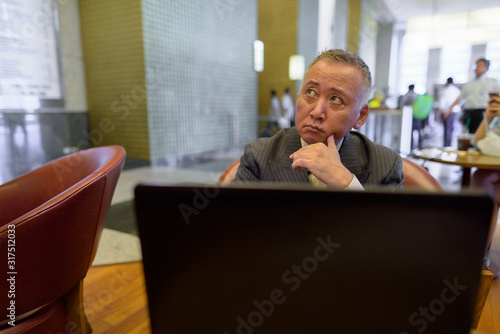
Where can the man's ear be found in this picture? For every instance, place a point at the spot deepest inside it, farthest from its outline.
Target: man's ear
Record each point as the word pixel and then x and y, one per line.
pixel 363 115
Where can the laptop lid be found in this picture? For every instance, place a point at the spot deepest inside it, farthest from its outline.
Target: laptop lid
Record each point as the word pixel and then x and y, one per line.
pixel 300 260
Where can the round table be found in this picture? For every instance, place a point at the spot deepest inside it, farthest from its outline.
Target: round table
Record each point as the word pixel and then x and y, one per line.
pixel 466 159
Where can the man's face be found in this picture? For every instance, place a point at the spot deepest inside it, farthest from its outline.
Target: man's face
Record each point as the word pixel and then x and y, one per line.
pixel 329 102
pixel 481 68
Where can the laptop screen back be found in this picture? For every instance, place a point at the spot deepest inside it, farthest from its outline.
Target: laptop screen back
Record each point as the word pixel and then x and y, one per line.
pixel 295 260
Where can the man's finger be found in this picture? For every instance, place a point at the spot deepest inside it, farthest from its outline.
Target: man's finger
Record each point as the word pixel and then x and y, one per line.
pixel 330 142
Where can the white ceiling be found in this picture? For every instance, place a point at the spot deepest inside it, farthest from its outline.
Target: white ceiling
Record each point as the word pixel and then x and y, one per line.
pixel 402 10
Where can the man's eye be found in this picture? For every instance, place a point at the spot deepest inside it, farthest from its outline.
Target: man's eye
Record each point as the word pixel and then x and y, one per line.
pixel 336 99
pixel 310 93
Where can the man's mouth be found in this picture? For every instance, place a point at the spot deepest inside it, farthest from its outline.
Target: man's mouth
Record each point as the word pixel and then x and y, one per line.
pixel 314 128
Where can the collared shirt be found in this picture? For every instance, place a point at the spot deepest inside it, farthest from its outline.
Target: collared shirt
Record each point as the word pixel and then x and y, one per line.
pixel 447 96
pixel 288 107
pixel 476 92
pixel 275 108
pixel 314 181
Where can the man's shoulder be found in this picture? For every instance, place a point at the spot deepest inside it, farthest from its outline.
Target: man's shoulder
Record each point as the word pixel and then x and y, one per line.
pixel 373 164
pixel 492 81
pixel 487 77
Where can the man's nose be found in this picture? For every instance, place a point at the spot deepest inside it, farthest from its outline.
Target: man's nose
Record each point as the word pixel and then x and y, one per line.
pixel 319 110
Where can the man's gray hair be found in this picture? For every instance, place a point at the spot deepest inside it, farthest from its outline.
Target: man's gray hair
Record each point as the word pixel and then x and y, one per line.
pixel 346 57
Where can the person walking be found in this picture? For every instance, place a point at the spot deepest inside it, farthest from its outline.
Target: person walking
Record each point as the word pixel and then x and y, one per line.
pixel 288 107
pixel 447 97
pixel 475 94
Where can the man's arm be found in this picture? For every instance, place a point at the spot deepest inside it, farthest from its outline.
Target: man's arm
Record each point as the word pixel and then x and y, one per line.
pixel 248 169
pixel 395 177
pixel 457 101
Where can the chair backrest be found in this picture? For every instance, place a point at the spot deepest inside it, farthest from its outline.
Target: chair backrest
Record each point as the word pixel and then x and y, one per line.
pixel 228 175
pixel 57 214
pixel 416 176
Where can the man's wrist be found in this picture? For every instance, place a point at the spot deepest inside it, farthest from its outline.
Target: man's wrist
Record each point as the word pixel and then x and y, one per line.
pixel 355 184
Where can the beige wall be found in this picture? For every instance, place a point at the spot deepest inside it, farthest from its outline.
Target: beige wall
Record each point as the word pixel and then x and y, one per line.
pixel 113 55
pixel 278 30
pixel 353 25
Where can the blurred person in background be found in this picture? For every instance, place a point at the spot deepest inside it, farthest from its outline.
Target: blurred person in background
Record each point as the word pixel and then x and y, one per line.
pixel 475 94
pixel 487 139
pixel 288 107
pixel 275 115
pixel 447 97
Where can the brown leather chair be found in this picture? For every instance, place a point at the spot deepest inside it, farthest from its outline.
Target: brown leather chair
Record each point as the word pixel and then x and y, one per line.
pixel 416 177
pixel 228 175
pixel 51 219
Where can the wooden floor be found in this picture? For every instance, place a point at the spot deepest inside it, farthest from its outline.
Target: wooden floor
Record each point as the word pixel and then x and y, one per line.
pixel 115 298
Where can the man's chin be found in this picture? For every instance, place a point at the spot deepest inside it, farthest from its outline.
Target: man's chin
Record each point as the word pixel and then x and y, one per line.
pixel 311 139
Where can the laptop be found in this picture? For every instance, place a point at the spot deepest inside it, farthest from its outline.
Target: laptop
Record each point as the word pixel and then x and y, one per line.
pixel 300 260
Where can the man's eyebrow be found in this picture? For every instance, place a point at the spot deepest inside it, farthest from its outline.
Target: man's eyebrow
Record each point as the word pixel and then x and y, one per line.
pixel 312 82
pixel 332 89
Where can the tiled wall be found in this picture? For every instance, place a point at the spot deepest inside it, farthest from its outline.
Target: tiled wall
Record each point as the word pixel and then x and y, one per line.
pixel 368 31
pixel 340 24
pixel 307 26
pixel 278 30
pixel 202 89
pixel 170 78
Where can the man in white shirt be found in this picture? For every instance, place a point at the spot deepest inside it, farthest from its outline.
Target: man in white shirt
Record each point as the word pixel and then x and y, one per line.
pixel 288 107
pixel 274 115
pixel 476 95
pixel 448 96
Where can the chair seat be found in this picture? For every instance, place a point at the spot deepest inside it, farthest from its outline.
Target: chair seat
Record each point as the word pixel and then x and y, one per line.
pixel 49 318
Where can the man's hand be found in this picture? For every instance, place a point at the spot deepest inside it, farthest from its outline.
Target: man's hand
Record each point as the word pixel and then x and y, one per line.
pixel 323 161
pixel 493 108
pixel 447 114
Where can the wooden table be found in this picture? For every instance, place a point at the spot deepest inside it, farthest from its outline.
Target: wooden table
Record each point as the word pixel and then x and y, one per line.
pixel 466 159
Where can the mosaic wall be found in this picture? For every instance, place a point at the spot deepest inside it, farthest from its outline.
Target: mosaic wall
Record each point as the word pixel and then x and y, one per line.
pixel 307 26
pixel 201 86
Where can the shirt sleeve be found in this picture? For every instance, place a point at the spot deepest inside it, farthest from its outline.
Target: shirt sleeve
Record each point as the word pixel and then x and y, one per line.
pixel 355 184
